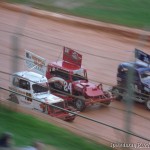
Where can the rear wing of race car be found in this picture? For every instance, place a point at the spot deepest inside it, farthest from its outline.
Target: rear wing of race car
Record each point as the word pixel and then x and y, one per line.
pixel 71 56
pixel 142 56
pixel 35 62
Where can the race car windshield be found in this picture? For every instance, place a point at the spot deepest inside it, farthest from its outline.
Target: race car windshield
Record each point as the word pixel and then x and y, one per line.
pixel 145 75
pixel 39 88
pixel 79 75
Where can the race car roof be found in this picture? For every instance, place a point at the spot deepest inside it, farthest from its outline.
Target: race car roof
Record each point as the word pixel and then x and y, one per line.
pixel 32 76
pixel 139 66
pixel 66 65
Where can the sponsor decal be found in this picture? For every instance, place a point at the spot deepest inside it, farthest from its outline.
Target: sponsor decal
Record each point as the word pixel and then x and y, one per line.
pixel 72 56
pixel 35 62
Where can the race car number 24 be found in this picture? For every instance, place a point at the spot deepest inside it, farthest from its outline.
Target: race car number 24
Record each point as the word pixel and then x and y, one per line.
pixel 67 87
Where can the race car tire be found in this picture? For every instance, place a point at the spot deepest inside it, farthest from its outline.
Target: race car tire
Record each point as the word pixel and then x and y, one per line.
pixel 116 94
pixel 147 104
pixel 14 99
pixel 79 104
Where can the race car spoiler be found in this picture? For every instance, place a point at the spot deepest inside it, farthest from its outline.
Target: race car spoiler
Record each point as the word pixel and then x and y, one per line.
pixel 142 56
pixel 71 56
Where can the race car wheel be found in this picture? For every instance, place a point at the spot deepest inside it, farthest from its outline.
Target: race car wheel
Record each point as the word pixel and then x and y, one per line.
pixel 148 104
pixel 14 99
pixel 116 94
pixel 79 104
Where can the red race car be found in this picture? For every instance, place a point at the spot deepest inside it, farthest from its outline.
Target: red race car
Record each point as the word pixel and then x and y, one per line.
pixel 68 79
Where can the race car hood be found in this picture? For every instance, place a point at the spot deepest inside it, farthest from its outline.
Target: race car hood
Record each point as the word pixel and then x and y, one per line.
pixel 48 98
pixel 90 89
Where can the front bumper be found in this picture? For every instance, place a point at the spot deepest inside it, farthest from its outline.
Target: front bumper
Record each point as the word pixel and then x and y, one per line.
pixel 98 100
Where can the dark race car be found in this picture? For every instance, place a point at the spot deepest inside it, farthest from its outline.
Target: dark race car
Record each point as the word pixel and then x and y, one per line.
pixel 69 77
pixel 140 83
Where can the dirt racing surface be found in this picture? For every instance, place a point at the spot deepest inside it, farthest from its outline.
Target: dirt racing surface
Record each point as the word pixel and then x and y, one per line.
pixel 102 52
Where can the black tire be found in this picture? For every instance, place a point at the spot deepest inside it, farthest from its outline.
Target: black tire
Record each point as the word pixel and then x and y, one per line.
pixel 147 104
pixel 79 104
pixel 116 94
pixel 14 99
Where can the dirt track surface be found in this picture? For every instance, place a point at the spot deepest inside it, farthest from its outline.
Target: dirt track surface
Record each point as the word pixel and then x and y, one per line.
pixel 102 52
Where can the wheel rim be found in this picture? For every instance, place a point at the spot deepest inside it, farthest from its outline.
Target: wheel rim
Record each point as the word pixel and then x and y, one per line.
pixel 79 104
pixel 148 104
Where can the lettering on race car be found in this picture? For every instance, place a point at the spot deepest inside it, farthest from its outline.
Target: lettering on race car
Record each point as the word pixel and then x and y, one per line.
pixel 67 87
pixel 35 62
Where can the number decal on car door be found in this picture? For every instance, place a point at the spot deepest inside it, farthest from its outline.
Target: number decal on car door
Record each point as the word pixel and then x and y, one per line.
pixel 67 87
